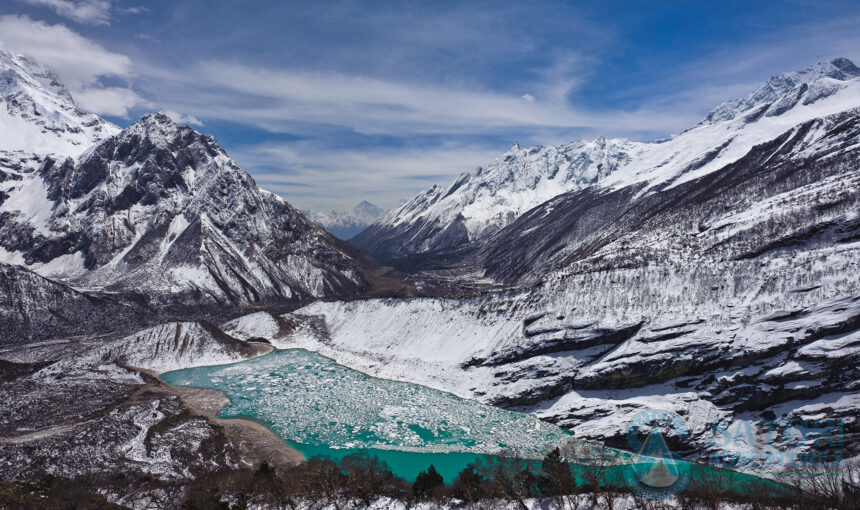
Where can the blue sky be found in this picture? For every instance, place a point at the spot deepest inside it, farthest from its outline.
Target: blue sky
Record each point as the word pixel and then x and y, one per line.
pixel 329 103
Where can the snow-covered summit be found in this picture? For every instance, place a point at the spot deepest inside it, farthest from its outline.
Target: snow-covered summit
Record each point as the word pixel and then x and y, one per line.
pixel 38 114
pixel 732 130
pixel 784 90
pixel 346 224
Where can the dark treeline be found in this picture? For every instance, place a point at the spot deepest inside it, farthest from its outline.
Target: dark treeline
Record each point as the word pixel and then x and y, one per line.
pixel 359 480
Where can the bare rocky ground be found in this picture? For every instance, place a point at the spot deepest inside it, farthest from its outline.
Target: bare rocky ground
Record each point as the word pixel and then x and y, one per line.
pixel 117 430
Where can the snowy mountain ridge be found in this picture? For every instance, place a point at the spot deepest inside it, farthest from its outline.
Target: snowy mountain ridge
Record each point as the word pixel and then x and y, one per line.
pixel 478 204
pixel 783 102
pixel 823 77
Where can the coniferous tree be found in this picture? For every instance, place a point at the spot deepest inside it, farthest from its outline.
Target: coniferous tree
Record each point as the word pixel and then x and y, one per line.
pixel 469 484
pixel 556 477
pixel 427 483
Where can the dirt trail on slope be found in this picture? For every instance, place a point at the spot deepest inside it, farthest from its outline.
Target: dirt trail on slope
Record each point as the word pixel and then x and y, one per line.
pixel 42 433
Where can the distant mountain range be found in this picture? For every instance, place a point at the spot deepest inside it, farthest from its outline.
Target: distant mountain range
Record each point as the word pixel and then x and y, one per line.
pixel 347 224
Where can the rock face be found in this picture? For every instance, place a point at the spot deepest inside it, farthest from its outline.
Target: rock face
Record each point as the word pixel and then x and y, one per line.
pixel 35 308
pixel 157 212
pixel 346 224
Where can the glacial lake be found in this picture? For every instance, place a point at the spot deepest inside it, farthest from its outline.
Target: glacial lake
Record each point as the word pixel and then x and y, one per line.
pixel 324 409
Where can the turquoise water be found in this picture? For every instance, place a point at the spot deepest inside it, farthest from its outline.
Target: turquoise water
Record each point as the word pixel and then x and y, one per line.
pixel 324 409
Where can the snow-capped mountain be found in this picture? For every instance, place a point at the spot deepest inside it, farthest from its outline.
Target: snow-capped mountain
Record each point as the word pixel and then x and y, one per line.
pixel 157 210
pixel 731 130
pixel 346 224
pixel 479 204
pixel 161 210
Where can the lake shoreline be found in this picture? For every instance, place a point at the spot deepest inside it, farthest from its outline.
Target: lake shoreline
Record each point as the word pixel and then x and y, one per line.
pixel 256 442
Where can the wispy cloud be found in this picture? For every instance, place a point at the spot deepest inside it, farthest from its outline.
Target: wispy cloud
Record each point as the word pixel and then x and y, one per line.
pixel 286 101
pixel 313 176
pixel 94 12
pixel 180 118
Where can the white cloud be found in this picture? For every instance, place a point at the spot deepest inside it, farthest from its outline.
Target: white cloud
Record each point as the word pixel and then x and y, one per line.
pixel 287 100
pixel 79 61
pixel 179 118
pixel 528 98
pixel 95 12
pixel 113 101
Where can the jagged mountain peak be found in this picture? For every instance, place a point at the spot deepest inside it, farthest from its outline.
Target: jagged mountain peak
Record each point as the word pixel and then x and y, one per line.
pixel 162 131
pixel 840 68
pixel 156 209
pixel 157 121
pixel 366 206
pixel 150 160
pixel 783 91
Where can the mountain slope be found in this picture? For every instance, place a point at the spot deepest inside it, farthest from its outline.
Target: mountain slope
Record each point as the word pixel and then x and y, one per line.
pixel 799 191
pixel 346 224
pixel 161 348
pixel 35 308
